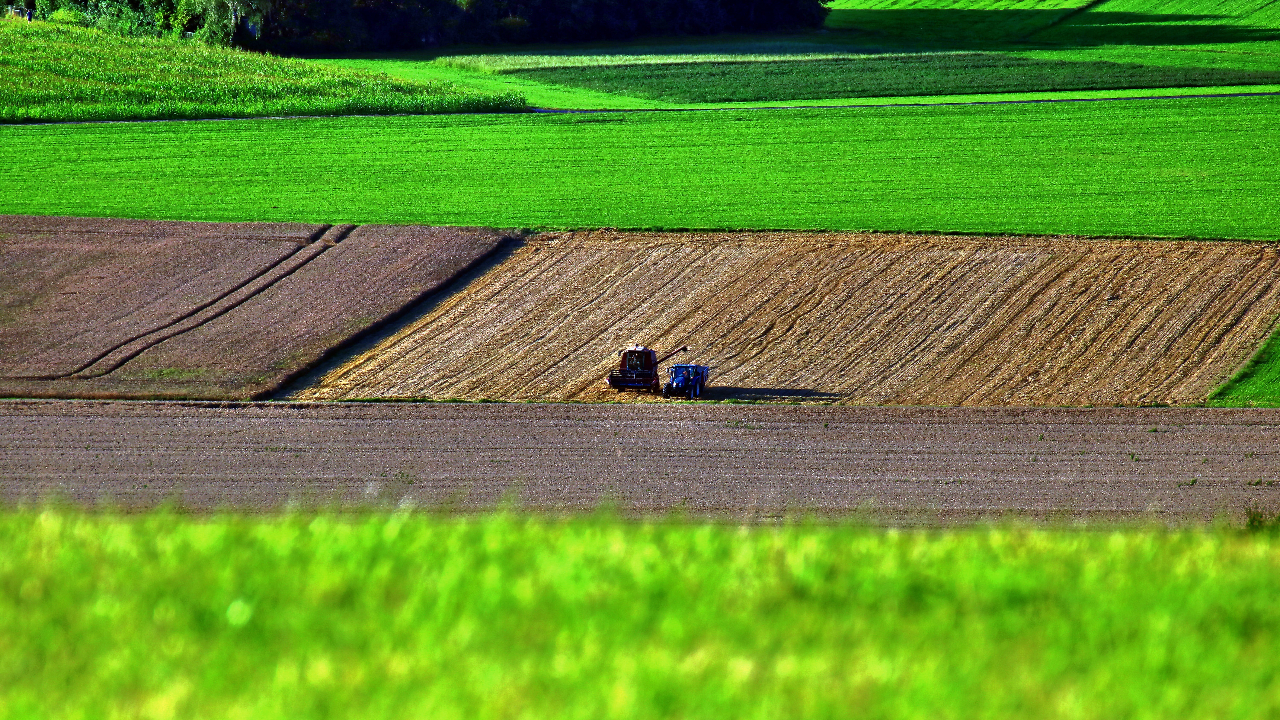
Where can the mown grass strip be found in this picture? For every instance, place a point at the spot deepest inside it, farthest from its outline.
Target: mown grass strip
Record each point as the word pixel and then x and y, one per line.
pixel 542 95
pixel 891 75
pixel 1195 167
pixel 55 73
pixel 406 615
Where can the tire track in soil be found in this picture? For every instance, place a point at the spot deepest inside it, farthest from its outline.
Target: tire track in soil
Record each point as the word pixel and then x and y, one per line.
pixel 116 233
pixel 849 318
pixel 113 359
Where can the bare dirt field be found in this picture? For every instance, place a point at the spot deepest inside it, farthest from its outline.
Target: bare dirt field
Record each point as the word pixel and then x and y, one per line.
pixel 123 308
pixel 76 288
pixel 897 465
pixel 837 318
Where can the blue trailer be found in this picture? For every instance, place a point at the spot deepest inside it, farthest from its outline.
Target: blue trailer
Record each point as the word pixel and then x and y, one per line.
pixel 686 381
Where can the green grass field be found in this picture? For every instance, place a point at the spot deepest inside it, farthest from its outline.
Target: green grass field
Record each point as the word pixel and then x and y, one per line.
pixel 1202 168
pixel 880 76
pixel 300 616
pixel 1258 383
pixel 885 48
pixel 945 22
pixel 56 72
pixel 1229 25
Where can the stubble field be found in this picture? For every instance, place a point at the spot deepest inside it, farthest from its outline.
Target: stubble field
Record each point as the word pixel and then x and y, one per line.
pixel 859 319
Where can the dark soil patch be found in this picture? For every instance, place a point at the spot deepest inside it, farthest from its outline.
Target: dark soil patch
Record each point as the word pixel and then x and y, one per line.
pixel 135 309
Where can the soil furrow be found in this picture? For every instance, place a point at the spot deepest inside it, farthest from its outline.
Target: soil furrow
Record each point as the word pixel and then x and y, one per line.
pixel 852 318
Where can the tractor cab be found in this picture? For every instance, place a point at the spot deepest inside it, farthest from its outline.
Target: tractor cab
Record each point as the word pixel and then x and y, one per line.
pixel 686 381
pixel 638 359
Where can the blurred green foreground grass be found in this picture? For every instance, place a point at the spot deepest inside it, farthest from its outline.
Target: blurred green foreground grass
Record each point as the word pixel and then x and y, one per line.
pixel 409 615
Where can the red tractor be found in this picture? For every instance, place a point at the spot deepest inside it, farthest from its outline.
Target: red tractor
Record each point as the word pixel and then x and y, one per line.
pixel 638 369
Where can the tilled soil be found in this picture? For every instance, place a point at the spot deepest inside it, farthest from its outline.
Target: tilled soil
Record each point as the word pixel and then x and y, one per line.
pixel 373 272
pixel 75 288
pixel 897 465
pixel 134 309
pixel 839 318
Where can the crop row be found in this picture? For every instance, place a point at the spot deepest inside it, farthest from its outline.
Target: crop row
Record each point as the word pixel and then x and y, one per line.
pixel 878 76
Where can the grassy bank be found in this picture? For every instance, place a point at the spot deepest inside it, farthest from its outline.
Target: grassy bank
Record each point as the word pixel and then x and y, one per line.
pixel 1201 168
pixel 409 616
pixel 56 72
pixel 1257 384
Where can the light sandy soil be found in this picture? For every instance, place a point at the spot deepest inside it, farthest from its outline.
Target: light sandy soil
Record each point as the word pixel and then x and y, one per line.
pixel 895 465
pixel 839 318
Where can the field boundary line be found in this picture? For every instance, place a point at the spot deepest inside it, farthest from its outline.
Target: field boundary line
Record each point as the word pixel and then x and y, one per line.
pixel 533 110
pixel 507 244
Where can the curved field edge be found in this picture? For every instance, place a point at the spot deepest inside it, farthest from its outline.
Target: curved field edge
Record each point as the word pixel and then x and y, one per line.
pixel 1258 382
pixel 52 73
pixel 1172 168
pixel 591 617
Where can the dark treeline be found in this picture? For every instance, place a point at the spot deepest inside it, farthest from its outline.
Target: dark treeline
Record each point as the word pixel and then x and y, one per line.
pixel 320 26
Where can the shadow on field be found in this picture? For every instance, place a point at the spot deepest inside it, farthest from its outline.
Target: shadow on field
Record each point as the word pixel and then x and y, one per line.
pixel 729 392
pixel 395 322
pixel 980 29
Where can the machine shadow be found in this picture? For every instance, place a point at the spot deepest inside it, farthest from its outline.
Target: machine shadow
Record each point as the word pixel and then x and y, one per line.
pixel 729 392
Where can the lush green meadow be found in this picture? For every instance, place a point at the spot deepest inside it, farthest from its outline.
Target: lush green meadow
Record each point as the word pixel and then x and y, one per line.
pixel 54 72
pixel 945 22
pixel 1203 168
pixel 406 615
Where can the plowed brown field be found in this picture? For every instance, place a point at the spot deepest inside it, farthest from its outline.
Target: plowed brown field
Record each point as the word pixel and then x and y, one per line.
pixel 129 309
pixel 76 288
pixel 845 318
